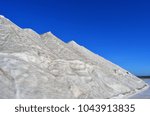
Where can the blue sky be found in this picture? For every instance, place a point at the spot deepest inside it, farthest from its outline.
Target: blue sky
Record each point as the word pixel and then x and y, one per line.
pixel 118 30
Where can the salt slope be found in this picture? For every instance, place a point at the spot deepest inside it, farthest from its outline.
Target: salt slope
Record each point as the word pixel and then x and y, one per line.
pixel 31 68
pixel 99 65
pixel 112 70
pixel 21 71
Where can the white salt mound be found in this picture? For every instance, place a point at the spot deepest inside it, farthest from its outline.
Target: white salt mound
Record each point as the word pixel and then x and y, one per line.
pixel 43 66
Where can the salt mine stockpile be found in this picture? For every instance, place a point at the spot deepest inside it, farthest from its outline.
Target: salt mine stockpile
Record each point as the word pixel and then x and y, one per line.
pixel 43 66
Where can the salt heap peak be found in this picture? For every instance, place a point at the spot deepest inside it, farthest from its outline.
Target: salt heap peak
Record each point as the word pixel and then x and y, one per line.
pixel 1 16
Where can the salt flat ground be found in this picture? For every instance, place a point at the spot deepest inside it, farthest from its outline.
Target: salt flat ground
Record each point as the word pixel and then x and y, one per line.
pixel 145 94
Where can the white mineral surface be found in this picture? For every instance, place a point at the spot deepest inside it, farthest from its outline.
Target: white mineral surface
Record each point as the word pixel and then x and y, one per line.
pixel 43 66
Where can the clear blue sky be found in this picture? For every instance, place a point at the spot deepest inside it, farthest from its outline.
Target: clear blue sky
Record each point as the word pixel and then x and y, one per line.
pixel 118 30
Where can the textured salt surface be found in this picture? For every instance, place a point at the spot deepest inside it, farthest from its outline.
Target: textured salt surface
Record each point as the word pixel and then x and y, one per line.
pixel 43 66
pixel 145 94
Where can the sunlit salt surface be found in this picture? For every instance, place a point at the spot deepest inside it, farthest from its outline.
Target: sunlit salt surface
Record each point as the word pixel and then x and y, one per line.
pixel 34 66
pixel 145 94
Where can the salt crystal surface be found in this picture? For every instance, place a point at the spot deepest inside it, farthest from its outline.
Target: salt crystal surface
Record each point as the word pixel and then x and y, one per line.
pixel 43 66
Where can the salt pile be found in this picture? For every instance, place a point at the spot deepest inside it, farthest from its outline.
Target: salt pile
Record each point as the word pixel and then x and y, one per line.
pixel 43 66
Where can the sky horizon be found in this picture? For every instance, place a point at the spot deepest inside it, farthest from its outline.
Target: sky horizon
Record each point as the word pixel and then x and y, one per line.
pixel 116 30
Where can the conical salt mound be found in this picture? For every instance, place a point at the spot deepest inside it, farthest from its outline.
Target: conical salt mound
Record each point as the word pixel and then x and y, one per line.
pixel 43 66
